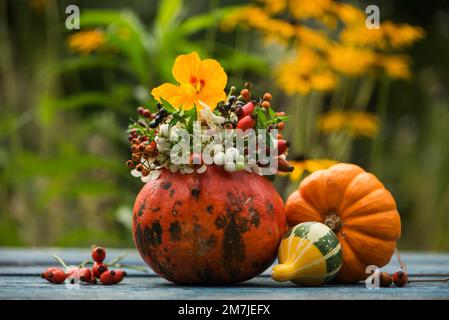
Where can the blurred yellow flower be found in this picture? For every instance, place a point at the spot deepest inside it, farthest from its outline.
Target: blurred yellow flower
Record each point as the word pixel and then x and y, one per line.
pixel 350 60
pixel 199 80
pixel 356 123
pixel 395 66
pixel 362 36
pixel 329 39
pixel 307 165
pixel 306 9
pixel 305 73
pixel 274 6
pixel 402 35
pixel 85 42
pixel 312 38
pixel 349 14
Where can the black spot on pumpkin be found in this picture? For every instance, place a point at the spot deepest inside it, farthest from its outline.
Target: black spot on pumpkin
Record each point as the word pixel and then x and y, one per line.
pixel 166 185
pixel 220 222
pixel 195 193
pixel 172 193
pixel 155 209
pixel 210 209
pixel 234 226
pixel 206 275
pixel 175 231
pixel 196 228
pixel 211 241
pixel 145 241
pixel 153 235
pixel 254 217
pixel 269 207
pixel 140 243
pixel 141 209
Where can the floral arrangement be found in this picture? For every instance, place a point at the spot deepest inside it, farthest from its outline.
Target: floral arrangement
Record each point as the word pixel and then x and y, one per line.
pixel 196 115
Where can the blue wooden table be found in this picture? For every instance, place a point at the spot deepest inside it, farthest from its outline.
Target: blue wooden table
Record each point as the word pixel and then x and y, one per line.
pixel 20 269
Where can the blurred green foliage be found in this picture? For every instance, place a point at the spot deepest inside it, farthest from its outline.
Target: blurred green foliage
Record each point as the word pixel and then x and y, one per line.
pixel 63 116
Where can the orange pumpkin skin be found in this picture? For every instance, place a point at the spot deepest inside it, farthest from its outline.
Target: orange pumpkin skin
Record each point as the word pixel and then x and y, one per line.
pixel 210 228
pixel 358 208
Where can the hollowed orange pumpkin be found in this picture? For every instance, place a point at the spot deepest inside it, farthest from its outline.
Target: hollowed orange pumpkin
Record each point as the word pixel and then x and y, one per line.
pixel 211 228
pixel 357 207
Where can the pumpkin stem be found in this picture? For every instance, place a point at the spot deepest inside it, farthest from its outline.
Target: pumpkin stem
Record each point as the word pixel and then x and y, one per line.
pixel 333 221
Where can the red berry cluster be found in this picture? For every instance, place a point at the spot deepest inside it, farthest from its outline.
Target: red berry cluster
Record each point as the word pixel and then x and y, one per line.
pixel 246 109
pixel 141 148
pixel 99 271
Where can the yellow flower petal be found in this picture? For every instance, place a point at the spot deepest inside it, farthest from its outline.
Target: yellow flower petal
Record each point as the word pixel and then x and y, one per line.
pixel 186 67
pixel 297 171
pixel 167 91
pixel 212 75
pixel 313 165
pixel 211 97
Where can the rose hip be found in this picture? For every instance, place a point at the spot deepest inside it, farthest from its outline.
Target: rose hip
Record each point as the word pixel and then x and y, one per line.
pixel 98 254
pixel 85 275
pixel 107 277
pixel 118 276
pixel 400 278
pixel 57 276
pixel 99 268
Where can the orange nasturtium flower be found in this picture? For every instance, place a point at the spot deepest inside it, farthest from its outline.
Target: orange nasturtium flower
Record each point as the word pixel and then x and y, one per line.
pixel 199 80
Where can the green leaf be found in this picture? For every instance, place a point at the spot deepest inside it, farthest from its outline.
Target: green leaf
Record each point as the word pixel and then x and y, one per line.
pixel 204 21
pixel 167 13
pixel 168 106
pixel 173 121
pixel 261 119
pixel 192 116
pixel 283 118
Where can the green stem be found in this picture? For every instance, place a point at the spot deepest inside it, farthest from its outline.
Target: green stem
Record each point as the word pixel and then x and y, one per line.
pixel 57 258
pixel 127 266
pixel 117 259
pixel 381 109
pixel 211 33
pixel 365 92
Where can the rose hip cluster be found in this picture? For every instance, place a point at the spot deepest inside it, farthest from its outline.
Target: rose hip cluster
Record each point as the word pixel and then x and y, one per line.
pixel 399 278
pixel 99 271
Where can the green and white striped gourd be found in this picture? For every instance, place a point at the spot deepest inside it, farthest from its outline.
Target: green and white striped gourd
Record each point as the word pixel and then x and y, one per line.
pixel 309 254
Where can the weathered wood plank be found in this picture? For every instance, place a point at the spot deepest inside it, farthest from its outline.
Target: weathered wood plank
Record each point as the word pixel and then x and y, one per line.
pixel 259 288
pixel 33 260
pixel 24 283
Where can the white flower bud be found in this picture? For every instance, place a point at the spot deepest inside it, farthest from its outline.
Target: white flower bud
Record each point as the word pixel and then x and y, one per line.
pixel 163 129
pixel 232 155
pixel 219 159
pixel 229 167
pixel 217 148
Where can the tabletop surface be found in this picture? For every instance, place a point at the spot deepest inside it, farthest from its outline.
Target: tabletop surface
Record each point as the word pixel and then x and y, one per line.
pixel 20 270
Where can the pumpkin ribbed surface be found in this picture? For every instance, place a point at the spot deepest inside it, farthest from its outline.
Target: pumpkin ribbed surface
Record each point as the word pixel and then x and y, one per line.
pixel 211 228
pixel 357 207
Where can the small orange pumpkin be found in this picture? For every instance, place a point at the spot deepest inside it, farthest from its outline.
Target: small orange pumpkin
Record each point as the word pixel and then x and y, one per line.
pixel 357 207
